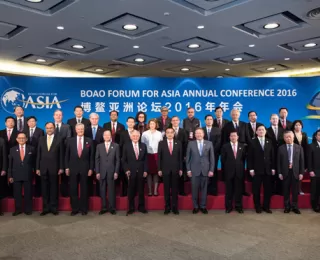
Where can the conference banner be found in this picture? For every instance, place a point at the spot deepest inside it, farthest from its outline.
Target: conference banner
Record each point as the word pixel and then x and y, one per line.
pixel 41 96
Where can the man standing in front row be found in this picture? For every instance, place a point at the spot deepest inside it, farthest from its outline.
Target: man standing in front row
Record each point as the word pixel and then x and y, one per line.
pixel 107 170
pixel 200 166
pixel 290 169
pixel 135 165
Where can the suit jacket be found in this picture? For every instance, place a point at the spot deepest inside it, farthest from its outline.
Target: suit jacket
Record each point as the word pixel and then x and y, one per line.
pixel 215 138
pixel 3 155
pixel 25 124
pixel 13 137
pixel 242 132
pixel 183 138
pixel 107 163
pixel 190 126
pixel 224 121
pixel 120 128
pixel 314 158
pixel 129 161
pixel 38 132
pixel 297 161
pixel 262 161
pixel 197 163
pixel 305 146
pixel 64 132
pixel 52 160
pixel 288 124
pixel 99 135
pixel 86 161
pixel 73 122
pixel 232 166
pixel 161 126
pixel 21 170
pixel 276 143
pixel 252 135
pixel 124 138
pixel 170 162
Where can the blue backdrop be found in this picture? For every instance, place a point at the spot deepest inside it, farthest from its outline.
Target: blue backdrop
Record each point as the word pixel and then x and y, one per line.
pixel 41 96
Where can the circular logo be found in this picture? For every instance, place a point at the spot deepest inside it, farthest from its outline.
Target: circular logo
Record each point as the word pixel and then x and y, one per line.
pixel 11 98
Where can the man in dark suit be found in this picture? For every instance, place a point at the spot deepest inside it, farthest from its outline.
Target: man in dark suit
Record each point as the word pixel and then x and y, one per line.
pixel 79 163
pixel 135 166
pixel 275 134
pixel 3 169
pixel 219 122
pixel 233 155
pixel 20 120
pixel 50 164
pixel 290 165
pixel 314 171
pixel 114 126
pixel 170 158
pixel 200 166
pixel 21 163
pixel 283 122
pixel 261 164
pixel 252 125
pixel 107 168
pixel 190 124
pixel 78 112
pixel 213 134
pixel 163 121
pixel 181 135
pixel 33 135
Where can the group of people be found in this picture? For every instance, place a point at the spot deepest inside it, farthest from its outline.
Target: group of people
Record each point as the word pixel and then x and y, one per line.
pixel 82 152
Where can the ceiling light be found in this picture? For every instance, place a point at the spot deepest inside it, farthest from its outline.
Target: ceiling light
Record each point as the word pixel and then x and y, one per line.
pixel 227 69
pixel 193 46
pixel 136 47
pixel 130 27
pixel 271 69
pixel 271 26
pixel 237 59
pixel 286 58
pixel 185 69
pixel 139 60
pixel 200 26
pixel 60 27
pixel 166 13
pixel 98 70
pixel 78 46
pixel 41 60
pixel 310 45
pixel 34 1
pixel 251 45
pixel 220 77
pixel 188 59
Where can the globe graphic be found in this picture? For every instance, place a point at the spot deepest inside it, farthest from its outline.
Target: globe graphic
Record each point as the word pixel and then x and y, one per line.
pixel 12 98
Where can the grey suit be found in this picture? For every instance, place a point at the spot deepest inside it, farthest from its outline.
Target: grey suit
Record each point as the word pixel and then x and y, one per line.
pixel 107 164
pixel 200 166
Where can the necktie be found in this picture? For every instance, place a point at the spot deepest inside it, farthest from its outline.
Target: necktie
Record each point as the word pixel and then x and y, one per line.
pixel 276 132
pixel 209 133
pixel 20 125
pixel 79 121
pixel 113 132
pixel 163 123
pixel 254 128
pixel 107 147
pixel 170 147
pixel 58 128
pixel 201 146
pixel 79 147
pixel 21 153
pixel 176 132
pixel 236 126
pixel 136 151
pixel 284 124
pixel 219 123
pixel 234 150
pixel 31 134
pixel 289 153
pixel 94 131
pixel 49 142
pixel 9 134
pixel 262 143
pixel 113 128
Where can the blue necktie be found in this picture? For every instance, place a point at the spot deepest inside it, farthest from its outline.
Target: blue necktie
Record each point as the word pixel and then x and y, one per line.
pixel 94 133
pixel 201 146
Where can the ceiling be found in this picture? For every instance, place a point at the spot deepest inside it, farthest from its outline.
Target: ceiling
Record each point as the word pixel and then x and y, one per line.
pixel 94 42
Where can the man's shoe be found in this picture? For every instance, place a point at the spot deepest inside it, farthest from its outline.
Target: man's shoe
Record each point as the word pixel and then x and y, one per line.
pixel 204 211
pixel 55 212
pixel 240 211
pixel 228 211
pixel 286 210
pixel 28 213
pixel 143 211
pixel 130 212
pixel 166 212
pixel 317 210
pixel 175 211
pixel 43 213
pixel 195 211
pixel 246 194
pixel 296 211
pixel 84 213
pixel 267 210
pixel 103 211
pixel 16 213
pixel 1 213
pixel 73 213
pixel 259 211
pixel 113 212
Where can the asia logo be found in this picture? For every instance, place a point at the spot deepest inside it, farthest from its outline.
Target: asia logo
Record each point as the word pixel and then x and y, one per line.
pixel 314 106
pixel 16 97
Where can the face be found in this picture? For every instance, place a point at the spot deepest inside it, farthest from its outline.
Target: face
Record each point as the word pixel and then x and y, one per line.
pixel 113 116
pixel 283 113
pixel 49 129
pixel 175 122
pixel 199 134
pixel 107 136
pixel 18 112
pixel 164 113
pixel 141 118
pixel 31 123
pixel 209 121
pixel 94 120
pixel 135 137
pixel 191 113
pixel 78 112
pixel 219 113
pixel 288 138
pixel 297 127
pixel 10 123
pixel 80 130
pixel 235 114
pixel 274 120
pixel 130 123
pixel 21 139
pixel 57 116
pixel 318 136
pixel 234 137
pixel 261 131
pixel 253 117
pixel 152 125
pixel 169 134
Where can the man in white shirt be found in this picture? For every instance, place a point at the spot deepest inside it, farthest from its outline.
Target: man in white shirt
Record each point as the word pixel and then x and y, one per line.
pixel 61 129
pixel 253 124
pixel 283 122
pixel 21 123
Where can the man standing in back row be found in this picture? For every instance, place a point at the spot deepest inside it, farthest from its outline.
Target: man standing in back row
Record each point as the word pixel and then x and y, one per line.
pixel 190 124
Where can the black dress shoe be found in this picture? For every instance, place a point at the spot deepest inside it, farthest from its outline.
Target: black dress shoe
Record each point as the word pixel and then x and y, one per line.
pixel 43 213
pixel 73 213
pixel 182 194
pixel 143 211
pixel 166 212
pixel 55 212
pixel 175 211
pixel 195 211
pixel 286 211
pixel 16 213
pixel 228 211
pixel 259 211
pixel 296 211
pixel 84 213
pixel 317 210
pixel 129 212
pixel 267 210
pixel 1 213
pixel 204 211
pixel 28 213
pixel 246 194
pixel 103 211
pixel 113 212
pixel 240 211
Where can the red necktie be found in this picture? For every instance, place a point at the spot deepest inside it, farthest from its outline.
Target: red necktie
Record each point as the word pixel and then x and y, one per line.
pixel 163 122
pixel 79 147
pixel 9 134
pixel 170 147
pixel 219 123
pixel 234 151
pixel 136 151
pixel 284 124
pixel 21 153
pixel 113 132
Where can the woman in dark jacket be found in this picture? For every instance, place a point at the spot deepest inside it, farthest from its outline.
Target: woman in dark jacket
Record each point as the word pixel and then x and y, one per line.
pixel 141 119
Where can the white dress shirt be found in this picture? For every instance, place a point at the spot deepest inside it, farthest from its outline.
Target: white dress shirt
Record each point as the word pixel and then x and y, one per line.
pixel 318 143
pixel 79 119
pixel 234 144
pixel 107 145
pixel 82 137
pixel 33 129
pixel 291 158
pixel 234 124
pixel 198 143
pixel 151 139
pixel 58 125
pixel 172 143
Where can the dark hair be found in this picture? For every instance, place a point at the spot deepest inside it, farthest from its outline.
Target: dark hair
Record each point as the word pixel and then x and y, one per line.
pixel 54 126
pixel 252 112
pixel 113 111
pixel 233 132
pixel 155 121
pixel 198 128
pixel 296 122
pixel 78 107
pixel 108 130
pixel 175 116
pixel 205 118
pixel 21 133
pixel 130 117
pixel 261 126
pixel 32 117
pixel 314 139
pixel 141 113
pixel 14 110
pixel 283 108
pixel 9 117
pixel 218 108
pixel 287 132
pixel 170 129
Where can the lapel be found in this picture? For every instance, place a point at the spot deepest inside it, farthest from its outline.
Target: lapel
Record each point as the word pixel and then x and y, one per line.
pixel 203 147
pixel 174 144
pixel 110 147
pixel 133 152
pixel 26 152
pixel 54 142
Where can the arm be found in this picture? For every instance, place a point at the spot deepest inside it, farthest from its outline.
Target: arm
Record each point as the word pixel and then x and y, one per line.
pixel 68 131
pixel 4 157
pixel 145 166
pixel 97 159
pixel 91 155
pixel 250 158
pixel 61 153
pixel 279 162
pixel 188 157
pixel 212 162
pixel 117 168
pixel 124 159
pixel 180 157
pixel 301 160
pixel 67 157
pixel 310 159
pixel 38 156
pixel 10 165
pixel 159 156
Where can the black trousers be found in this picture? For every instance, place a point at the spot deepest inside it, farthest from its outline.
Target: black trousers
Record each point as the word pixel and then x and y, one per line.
pixel 17 194
pixel 171 182
pixel 234 190
pixel 258 180
pixel 136 183
pixel 64 185
pixel 213 182
pixel 110 183
pixel 49 187
pixel 37 186
pixel 290 182
pixel 90 185
pixel 79 204
pixel 124 181
pixel 315 191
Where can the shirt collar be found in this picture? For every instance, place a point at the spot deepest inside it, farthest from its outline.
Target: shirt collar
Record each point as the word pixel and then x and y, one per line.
pixel 232 144
pixel 34 128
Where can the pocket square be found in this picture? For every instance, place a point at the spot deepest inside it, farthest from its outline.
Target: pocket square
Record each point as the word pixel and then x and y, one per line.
pixel 111 147
pixel 239 148
pixel 30 153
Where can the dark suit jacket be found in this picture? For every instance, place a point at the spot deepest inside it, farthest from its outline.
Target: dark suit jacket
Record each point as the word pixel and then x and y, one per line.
pixel 314 158
pixel 215 138
pixel 183 138
pixel 170 162
pixel 73 122
pixel 52 160
pixel 72 161
pixel 224 121
pixel 13 141
pixel 21 170
pixel 276 143
pixel 297 161
pixel 120 128
pixel 99 135
pixel 107 163
pixel 242 132
pixel 161 126
pixel 190 126
pixel 129 161
pixel 261 161
pixel 25 124
pixel 3 155
pixel 288 124
pixel 140 128
pixel 124 138
pixel 252 135
pixel 38 132
pixel 305 146
pixel 233 166
pixel 64 132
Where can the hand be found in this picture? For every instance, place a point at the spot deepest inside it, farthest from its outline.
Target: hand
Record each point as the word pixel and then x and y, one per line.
pixel 160 173
pixel 67 172
pixel 145 174
pixel 273 172
pixel 252 173
pixel 128 174
pixel 180 173
pixel 312 174
pixel 210 174
pixel 90 173
pixel 11 180
pixel 300 177
pixel 38 172
pixel 280 177
pixel 3 173
pixel 98 176
pixel 189 173
pixel 115 176
pixel 60 171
